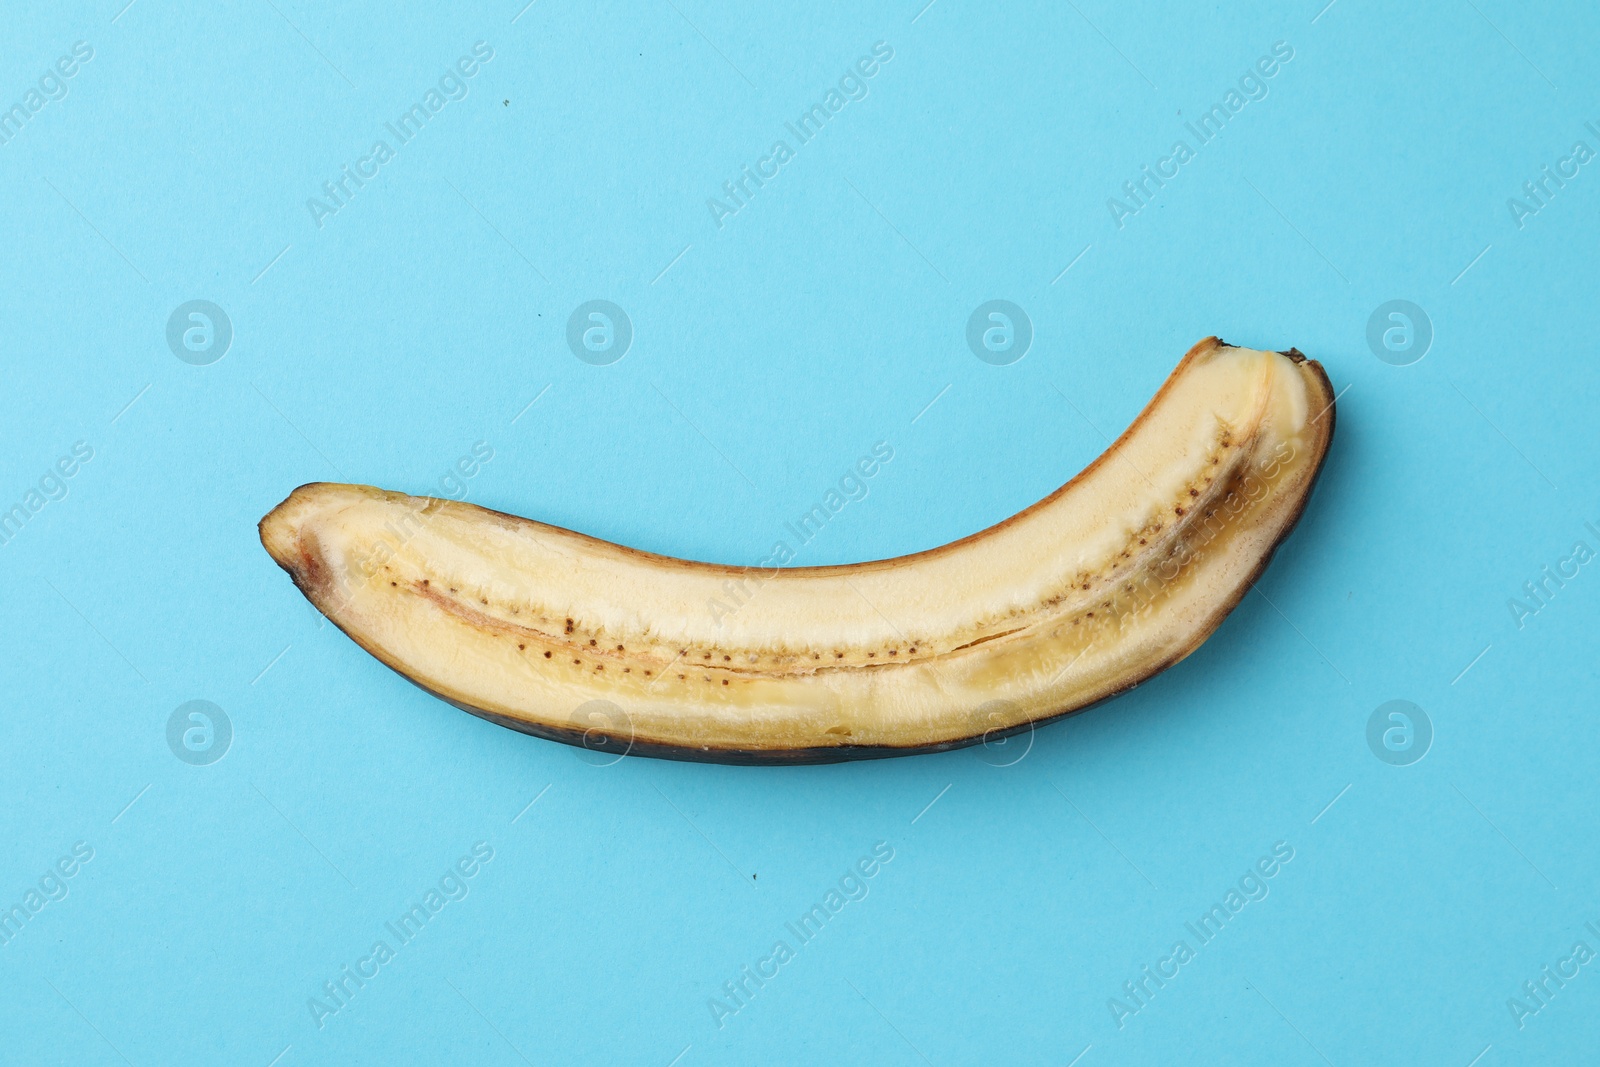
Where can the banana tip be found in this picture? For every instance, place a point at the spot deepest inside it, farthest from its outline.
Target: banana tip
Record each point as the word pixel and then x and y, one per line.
pixel 280 528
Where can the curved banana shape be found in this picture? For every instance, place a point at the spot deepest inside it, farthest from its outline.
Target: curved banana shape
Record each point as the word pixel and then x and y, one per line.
pixel 1117 575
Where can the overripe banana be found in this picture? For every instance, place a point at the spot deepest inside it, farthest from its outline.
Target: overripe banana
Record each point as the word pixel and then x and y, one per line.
pixel 1117 575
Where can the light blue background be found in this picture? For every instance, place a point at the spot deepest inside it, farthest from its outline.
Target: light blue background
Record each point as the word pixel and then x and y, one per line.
pixel 823 317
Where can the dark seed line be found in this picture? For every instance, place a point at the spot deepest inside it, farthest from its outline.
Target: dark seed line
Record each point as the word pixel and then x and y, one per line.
pixel 786 661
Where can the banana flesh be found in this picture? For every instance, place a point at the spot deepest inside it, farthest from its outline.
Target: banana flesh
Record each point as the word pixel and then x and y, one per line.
pixel 1117 575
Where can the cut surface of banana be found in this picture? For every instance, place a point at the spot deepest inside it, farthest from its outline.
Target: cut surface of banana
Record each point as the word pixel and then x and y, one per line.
pixel 1114 577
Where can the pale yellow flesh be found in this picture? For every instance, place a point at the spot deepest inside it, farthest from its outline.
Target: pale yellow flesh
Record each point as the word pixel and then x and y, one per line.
pixel 1120 573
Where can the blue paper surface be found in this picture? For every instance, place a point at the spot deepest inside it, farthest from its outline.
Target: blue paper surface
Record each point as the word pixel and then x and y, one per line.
pixel 252 245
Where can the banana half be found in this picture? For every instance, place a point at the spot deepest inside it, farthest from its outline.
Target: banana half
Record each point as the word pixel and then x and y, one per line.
pixel 1114 577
